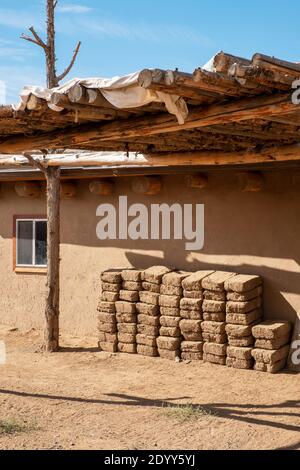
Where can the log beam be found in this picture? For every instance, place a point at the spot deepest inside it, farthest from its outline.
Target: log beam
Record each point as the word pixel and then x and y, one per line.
pixel 102 187
pixel 28 189
pixel 68 189
pixel 197 181
pixel 251 182
pixel 146 185
pixel 236 111
pixel 288 153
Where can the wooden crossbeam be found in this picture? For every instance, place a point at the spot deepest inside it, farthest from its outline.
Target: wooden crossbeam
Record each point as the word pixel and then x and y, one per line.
pixel 288 153
pixel 120 130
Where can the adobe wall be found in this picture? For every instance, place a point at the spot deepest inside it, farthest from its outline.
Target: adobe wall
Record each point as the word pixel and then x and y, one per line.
pixel 244 232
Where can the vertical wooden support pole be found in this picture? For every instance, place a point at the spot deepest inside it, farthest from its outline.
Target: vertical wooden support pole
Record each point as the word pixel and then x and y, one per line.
pixel 53 245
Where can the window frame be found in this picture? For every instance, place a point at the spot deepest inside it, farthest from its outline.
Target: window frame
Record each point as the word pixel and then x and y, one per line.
pixel 27 268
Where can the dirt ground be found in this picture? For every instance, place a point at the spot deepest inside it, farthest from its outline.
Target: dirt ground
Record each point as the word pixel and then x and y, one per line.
pixel 81 398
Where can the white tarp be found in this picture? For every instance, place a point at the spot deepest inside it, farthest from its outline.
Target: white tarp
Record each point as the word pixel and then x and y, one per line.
pixel 121 92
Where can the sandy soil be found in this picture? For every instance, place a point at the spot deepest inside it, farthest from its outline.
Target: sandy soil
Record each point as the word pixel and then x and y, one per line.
pixel 81 398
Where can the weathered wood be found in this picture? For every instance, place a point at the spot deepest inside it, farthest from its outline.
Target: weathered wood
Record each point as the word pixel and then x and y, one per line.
pixel 102 187
pixel 237 111
pixel 259 76
pixel 251 182
pixel 273 64
pixel 200 83
pixel 86 112
pixel 288 153
pixel 28 189
pixel 87 96
pixel 222 62
pixel 198 181
pixel 68 189
pixel 34 103
pixel 146 185
pixel 53 249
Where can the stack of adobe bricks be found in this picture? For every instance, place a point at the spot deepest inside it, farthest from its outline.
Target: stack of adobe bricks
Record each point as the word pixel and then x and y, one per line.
pixel 107 325
pixel 126 310
pixel 191 316
pixel 243 311
pixel 271 345
pixel 214 314
pixel 169 334
pixel 211 315
pixel 148 310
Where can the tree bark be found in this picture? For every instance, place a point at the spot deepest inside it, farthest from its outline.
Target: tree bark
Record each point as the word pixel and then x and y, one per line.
pixel 53 245
pixel 52 81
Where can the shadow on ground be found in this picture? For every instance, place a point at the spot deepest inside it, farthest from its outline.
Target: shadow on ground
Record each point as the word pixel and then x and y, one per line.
pixel 264 415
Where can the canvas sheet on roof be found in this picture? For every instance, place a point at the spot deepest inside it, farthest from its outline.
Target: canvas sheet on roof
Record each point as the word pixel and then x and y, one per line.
pixel 122 92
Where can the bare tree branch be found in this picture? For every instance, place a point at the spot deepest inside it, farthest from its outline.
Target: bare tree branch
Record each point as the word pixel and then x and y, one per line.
pixel 67 70
pixel 36 38
pixel 55 4
pixel 35 163
pixel 28 38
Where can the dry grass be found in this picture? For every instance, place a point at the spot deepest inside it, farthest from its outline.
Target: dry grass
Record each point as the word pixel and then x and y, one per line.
pixel 188 412
pixel 12 426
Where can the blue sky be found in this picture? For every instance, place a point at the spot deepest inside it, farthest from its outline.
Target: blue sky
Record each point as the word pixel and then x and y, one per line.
pixel 122 36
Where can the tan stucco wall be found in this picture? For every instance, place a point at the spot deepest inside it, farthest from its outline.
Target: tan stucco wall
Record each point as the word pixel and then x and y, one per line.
pixel 245 232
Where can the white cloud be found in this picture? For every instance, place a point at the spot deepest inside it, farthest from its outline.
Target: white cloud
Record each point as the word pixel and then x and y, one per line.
pixel 162 33
pixel 16 19
pixel 73 8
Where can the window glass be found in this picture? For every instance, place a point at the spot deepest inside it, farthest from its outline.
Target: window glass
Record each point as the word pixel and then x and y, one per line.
pixel 24 243
pixel 41 243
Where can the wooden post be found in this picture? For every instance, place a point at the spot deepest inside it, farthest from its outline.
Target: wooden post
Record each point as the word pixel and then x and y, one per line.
pixel 52 175
pixel 53 248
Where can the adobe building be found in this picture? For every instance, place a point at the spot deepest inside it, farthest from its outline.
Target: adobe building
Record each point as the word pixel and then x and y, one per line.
pixel 226 137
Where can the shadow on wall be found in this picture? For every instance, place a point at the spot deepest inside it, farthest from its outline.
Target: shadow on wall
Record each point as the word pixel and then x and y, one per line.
pixel 244 232
pixel 275 281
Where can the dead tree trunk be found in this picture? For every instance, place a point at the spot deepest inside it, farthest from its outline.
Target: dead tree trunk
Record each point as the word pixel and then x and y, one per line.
pixel 52 80
pixel 53 259
pixel 52 175
pixel 49 47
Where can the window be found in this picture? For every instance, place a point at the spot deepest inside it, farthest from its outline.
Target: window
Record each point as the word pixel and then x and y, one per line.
pixel 31 243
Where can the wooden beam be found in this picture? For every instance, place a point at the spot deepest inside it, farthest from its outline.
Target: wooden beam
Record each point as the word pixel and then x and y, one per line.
pixel 28 189
pixel 197 181
pixel 222 113
pixel 86 112
pixel 146 185
pixel 288 153
pixel 100 173
pixel 251 182
pixel 102 187
pixel 200 83
pixel 68 189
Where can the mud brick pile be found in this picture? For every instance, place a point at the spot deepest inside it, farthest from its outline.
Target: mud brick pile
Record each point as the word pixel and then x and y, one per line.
pixel 214 316
pixel 271 350
pixel 169 300
pixel 148 311
pixel 126 310
pixel 243 311
pixel 191 316
pixel 111 281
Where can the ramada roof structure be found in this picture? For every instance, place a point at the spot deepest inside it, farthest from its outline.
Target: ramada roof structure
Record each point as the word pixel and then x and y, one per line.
pixel 232 111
